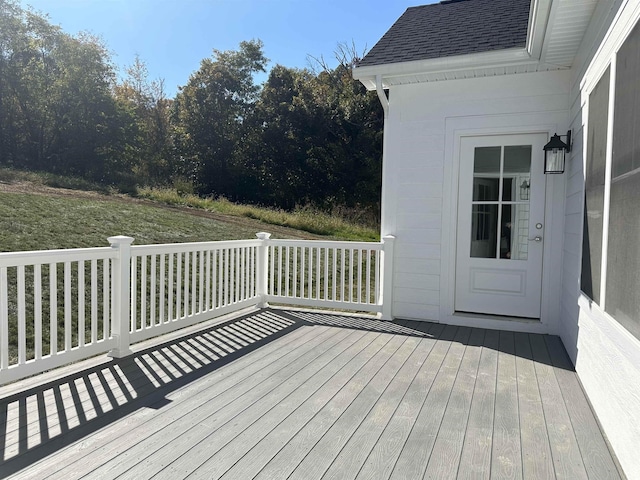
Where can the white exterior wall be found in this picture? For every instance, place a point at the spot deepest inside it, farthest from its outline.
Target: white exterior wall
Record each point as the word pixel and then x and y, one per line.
pixel 606 356
pixel 422 135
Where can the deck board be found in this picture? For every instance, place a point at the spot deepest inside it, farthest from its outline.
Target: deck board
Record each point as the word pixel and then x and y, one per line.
pixel 537 461
pixel 476 453
pixel 506 451
pixel 293 394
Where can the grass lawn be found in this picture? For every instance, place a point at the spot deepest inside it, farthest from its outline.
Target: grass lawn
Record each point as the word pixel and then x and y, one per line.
pixel 30 221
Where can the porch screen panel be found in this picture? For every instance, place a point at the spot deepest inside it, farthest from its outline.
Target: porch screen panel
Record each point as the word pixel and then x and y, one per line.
pixel 623 252
pixel 594 188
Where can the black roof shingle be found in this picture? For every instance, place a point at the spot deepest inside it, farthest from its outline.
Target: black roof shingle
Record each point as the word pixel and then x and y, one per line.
pixel 452 27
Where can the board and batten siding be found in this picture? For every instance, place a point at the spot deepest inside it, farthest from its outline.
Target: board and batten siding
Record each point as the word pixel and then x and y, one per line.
pixel 424 122
pixel 606 356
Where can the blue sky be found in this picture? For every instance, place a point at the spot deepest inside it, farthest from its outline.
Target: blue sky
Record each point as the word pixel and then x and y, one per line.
pixel 173 36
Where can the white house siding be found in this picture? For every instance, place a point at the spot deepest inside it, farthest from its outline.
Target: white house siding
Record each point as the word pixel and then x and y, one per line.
pixel 606 356
pixel 420 176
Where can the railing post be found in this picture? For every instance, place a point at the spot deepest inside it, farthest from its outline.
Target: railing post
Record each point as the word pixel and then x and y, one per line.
pixel 262 269
pixel 121 295
pixel 386 297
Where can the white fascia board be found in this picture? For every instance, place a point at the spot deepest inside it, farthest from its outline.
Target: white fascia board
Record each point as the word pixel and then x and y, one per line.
pixel 499 58
pixel 538 23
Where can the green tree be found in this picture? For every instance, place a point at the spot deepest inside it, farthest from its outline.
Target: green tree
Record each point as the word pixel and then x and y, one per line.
pixel 210 113
pixel 151 142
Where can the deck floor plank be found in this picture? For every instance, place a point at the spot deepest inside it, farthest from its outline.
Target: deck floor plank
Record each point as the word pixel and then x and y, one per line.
pixel 380 462
pixel 597 459
pixel 224 447
pixel 447 450
pixel 155 452
pixel 357 449
pixel 319 459
pixel 537 461
pixel 506 452
pixel 567 459
pixel 108 443
pixel 414 458
pixel 301 394
pixel 298 446
pixel 271 442
pixel 476 452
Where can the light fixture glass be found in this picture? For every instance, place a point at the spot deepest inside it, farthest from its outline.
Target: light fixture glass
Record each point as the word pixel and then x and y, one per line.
pixel 554 153
pixel 524 190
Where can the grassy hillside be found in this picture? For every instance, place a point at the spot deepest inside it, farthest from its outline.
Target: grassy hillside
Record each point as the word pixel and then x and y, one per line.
pixel 37 216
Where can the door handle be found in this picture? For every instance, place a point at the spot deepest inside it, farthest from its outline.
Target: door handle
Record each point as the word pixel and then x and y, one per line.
pixel 537 238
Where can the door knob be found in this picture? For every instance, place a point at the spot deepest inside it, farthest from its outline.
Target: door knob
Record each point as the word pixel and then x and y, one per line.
pixel 537 238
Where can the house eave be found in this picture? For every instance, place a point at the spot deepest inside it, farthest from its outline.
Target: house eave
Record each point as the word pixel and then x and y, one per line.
pixel 445 67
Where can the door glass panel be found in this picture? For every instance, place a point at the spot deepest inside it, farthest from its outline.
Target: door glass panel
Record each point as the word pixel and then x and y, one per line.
pixel 484 222
pixel 486 160
pixel 486 174
pixel 517 173
pixel 514 231
pixel 500 221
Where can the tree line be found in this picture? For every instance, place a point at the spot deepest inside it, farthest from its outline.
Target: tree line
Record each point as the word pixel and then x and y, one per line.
pixel 304 136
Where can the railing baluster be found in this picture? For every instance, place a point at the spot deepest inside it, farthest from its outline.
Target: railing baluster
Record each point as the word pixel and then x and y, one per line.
pixel 53 308
pixel 67 306
pixel 243 273
pixel 106 298
pixel 37 310
pixel 170 290
pixel 161 295
pixel 22 317
pixel 187 266
pixel 178 286
pixel 325 295
pixel 194 281
pixel 134 292
pixel 81 299
pixel 368 280
pixel 208 282
pixel 271 287
pixel 201 276
pixel 296 252
pixel 335 273
pixel 318 278
pixel 359 287
pixel 94 301
pixel 220 276
pixel 232 275
pixel 377 284
pixel 153 292
pixel 143 292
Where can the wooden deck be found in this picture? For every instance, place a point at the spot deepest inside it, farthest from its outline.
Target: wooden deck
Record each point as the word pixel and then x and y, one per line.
pixel 283 394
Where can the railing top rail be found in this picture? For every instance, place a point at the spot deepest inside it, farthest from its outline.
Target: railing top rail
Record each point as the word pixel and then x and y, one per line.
pixel 194 246
pixel 327 244
pixel 13 259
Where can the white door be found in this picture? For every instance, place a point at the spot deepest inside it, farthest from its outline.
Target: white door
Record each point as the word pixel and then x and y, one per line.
pixel 500 232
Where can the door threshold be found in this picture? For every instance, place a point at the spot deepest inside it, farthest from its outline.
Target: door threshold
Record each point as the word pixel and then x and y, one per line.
pixel 491 316
pixel 496 322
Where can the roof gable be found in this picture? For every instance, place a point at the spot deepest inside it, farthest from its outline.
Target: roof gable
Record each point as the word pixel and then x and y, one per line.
pixel 450 28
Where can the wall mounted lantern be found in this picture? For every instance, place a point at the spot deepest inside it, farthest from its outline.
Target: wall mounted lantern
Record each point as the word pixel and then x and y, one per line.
pixel 554 153
pixel 524 190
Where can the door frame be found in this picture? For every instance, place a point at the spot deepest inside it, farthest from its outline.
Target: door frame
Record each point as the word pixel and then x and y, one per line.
pixel 456 128
pixel 527 302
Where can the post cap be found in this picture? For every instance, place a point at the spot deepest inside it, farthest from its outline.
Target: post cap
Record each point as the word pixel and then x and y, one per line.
pixel 120 240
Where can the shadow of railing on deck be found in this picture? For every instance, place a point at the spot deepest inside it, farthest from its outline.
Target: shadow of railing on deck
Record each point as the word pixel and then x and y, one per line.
pixel 41 420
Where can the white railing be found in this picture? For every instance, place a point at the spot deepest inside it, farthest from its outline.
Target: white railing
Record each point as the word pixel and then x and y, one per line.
pixel 61 306
pixel 343 275
pixel 56 307
pixel 178 285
